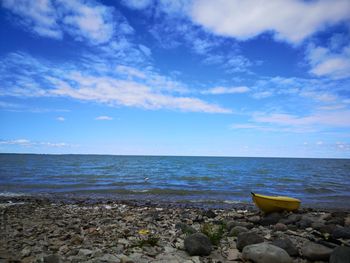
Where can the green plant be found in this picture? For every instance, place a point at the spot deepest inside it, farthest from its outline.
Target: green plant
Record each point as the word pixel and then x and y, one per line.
pixel 150 240
pixel 213 232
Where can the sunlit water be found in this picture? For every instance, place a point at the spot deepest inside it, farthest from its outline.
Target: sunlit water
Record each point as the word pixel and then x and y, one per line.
pixel 317 182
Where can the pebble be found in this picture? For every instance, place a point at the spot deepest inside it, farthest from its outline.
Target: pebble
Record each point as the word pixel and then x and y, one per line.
pixel 198 244
pixel 313 251
pixel 265 253
pixel 248 238
pixel 286 244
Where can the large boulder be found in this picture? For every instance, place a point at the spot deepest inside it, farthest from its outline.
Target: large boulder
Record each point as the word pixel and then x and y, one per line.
pixel 265 253
pixel 286 244
pixel 313 251
pixel 248 238
pixel 198 244
pixel 340 255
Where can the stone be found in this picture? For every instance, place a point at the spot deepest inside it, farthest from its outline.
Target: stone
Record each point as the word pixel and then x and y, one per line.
pixel 85 252
pixel 52 259
pixel 305 222
pixel 291 219
pixel 235 231
pixel 209 214
pixel 341 232
pixel 25 252
pixel 286 244
pixel 340 255
pixel 280 227
pixel 313 251
pixel 347 221
pixel 233 254
pixel 198 244
pixel 265 253
pixel 248 238
pixel 270 219
pixel 111 259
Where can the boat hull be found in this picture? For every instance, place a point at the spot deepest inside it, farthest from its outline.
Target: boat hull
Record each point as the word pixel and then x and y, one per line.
pixel 270 204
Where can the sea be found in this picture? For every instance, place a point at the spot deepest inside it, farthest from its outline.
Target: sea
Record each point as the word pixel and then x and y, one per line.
pixel 323 183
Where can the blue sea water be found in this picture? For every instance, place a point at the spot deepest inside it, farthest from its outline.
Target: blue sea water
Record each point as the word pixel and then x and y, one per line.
pixel 317 182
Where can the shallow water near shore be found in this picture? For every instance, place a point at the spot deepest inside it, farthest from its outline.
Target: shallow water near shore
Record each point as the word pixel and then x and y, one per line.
pixel 317 182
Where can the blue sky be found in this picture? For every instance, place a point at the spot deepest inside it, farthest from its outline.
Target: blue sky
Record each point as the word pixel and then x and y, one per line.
pixel 180 77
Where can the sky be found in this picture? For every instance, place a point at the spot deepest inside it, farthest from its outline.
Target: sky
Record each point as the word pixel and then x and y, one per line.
pixel 259 78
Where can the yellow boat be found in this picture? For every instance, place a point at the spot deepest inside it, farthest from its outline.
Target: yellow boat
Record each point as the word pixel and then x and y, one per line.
pixel 270 204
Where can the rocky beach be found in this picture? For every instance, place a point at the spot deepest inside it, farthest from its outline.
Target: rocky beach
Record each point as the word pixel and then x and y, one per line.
pixel 40 229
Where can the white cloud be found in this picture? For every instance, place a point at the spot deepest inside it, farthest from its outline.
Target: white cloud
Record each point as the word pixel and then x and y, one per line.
pixel 84 20
pixel 227 90
pixel 60 118
pixel 329 119
pixel 103 118
pixel 28 143
pixel 39 16
pixel 329 63
pixel 137 4
pixel 290 20
pixel 45 80
pixel 116 92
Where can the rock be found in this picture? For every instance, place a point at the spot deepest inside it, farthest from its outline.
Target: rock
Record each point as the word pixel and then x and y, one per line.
pixel 25 252
pixel 265 253
pixel 305 222
pixel 185 228
pixel 76 240
pixel 110 258
pixel 270 219
pixel 291 219
pixel 198 244
pixel 313 251
pixel 254 219
pixel 232 224
pixel 280 227
pixel 235 231
pixel 232 254
pixel 52 259
pixel 340 255
pixel 248 238
pixel 287 245
pixel 347 221
pixel 209 214
pixel 85 252
pixel 341 232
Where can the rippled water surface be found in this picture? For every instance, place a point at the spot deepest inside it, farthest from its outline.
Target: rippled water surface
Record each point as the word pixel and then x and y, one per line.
pixel 317 182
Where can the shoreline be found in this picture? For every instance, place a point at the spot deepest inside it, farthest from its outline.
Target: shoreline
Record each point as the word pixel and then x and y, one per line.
pixel 90 199
pixel 39 229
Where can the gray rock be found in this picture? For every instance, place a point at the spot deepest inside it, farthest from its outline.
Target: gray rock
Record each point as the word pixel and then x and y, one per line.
pixel 209 214
pixel 235 231
pixel 265 253
pixel 270 219
pixel 52 259
pixel 287 245
pixel 313 251
pixel 280 227
pixel 25 252
pixel 109 258
pixel 291 219
pixel 340 255
pixel 341 232
pixel 198 244
pixel 305 222
pixel 248 238
pixel 84 252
